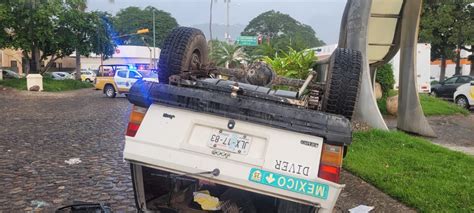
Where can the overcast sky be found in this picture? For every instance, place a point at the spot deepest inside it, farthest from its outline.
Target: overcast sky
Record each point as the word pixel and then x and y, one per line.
pixel 323 15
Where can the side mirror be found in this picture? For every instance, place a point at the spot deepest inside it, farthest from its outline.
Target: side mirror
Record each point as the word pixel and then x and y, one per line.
pixel 472 83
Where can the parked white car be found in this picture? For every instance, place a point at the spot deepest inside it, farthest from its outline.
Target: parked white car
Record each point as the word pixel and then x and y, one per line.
pixel 464 95
pixel 86 75
pixel 61 76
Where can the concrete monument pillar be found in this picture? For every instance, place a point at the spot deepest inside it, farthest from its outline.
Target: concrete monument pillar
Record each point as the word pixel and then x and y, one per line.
pixel 410 114
pixel 355 24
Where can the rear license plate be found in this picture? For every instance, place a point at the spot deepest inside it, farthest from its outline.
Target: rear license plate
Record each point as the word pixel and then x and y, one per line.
pixel 229 141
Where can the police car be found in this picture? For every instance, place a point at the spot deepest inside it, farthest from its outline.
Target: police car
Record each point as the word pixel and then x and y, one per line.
pixel 464 95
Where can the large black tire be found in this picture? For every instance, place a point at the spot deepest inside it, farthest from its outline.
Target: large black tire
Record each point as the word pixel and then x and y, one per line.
pixel 184 49
pixel 462 101
pixel 342 84
pixel 434 93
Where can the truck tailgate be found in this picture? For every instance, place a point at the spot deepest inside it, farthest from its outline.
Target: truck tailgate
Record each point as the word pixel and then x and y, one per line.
pixel 249 156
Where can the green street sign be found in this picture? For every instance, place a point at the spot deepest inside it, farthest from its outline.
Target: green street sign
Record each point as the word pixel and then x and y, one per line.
pixel 247 41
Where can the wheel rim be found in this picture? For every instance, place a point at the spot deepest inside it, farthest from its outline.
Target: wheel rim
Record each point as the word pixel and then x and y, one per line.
pixel 461 102
pixel 109 91
pixel 195 61
pixel 434 94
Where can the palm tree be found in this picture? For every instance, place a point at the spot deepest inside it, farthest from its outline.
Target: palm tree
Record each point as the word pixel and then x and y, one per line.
pixel 229 55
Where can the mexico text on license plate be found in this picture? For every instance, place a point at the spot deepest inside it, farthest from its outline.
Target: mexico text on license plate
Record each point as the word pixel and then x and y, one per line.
pixel 293 184
pixel 229 141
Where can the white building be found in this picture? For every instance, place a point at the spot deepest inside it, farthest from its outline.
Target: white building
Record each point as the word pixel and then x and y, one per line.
pixel 124 54
pixel 451 66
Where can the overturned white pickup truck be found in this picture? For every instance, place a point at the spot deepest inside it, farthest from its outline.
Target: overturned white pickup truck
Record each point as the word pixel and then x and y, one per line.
pixel 246 147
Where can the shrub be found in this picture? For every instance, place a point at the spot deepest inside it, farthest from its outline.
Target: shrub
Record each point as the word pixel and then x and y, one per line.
pixel 385 78
pixel 228 55
pixel 294 64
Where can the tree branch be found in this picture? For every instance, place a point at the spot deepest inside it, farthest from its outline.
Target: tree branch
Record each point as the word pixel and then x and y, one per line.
pixel 49 64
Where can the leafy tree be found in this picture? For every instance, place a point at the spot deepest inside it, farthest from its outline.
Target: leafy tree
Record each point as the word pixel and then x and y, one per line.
pixel 463 28
pixel 131 19
pixel 102 42
pixel 293 64
pixel 265 50
pixel 4 19
pixel 446 25
pixel 283 31
pixel 52 29
pixel 228 55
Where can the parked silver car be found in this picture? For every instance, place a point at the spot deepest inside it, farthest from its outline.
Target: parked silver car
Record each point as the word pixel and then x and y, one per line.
pixel 8 74
pixel 61 76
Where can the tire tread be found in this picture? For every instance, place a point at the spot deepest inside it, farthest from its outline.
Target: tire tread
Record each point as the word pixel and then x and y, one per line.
pixel 342 86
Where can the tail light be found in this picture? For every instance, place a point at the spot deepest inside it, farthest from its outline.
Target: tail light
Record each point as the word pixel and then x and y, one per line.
pixel 331 162
pixel 136 118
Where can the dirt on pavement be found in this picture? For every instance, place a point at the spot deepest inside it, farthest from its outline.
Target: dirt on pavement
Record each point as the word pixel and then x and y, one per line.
pixel 455 132
pixel 358 192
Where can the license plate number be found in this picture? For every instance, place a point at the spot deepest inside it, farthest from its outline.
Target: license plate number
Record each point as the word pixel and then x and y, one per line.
pixel 229 141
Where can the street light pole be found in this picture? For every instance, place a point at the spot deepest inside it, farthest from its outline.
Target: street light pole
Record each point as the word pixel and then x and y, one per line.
pixel 227 24
pixel 210 20
pixel 149 48
pixel 154 41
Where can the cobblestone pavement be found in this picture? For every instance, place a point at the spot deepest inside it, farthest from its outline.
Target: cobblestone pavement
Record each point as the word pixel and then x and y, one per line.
pixel 40 131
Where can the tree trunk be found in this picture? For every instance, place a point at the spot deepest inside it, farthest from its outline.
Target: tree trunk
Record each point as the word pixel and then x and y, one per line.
pixel 27 63
pixel 78 66
pixel 471 58
pixel 35 62
pixel 457 70
pixel 442 73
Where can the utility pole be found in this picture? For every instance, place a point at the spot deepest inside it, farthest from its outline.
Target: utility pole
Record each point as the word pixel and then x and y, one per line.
pixel 154 41
pixel 147 45
pixel 227 24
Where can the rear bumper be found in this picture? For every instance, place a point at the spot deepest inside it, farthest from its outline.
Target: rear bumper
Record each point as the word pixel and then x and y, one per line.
pixel 186 164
